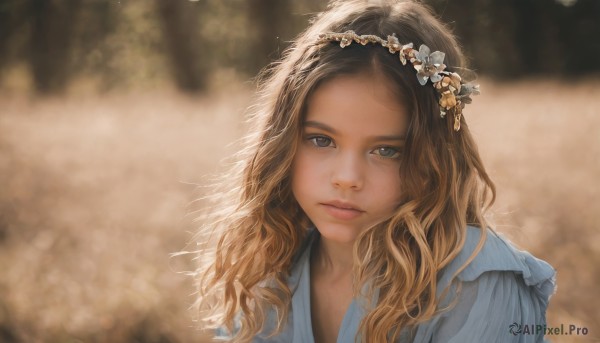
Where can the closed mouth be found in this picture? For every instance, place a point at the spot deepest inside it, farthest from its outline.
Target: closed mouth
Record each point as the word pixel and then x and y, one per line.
pixel 343 205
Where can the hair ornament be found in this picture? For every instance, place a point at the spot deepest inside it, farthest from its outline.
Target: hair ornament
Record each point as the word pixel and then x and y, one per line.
pixel 454 93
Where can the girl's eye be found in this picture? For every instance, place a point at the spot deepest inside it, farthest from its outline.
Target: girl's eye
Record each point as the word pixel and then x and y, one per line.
pixel 321 141
pixel 387 152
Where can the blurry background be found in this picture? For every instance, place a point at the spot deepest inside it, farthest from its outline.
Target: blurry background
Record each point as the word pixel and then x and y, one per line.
pixel 113 111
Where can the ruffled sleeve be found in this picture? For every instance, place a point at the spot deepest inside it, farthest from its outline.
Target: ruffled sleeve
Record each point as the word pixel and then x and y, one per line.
pixel 503 295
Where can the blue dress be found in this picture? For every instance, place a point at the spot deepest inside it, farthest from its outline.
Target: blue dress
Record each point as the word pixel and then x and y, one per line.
pixel 503 289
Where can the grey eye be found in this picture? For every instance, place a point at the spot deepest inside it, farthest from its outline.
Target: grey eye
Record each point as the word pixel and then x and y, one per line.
pixel 387 152
pixel 321 141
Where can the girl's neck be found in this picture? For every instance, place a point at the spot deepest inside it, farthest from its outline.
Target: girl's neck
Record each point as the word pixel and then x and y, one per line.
pixel 332 258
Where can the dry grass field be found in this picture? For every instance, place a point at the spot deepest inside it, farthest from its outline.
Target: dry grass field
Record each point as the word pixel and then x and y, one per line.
pixel 96 192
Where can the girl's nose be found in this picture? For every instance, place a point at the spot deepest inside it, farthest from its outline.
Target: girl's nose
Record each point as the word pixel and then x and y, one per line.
pixel 348 172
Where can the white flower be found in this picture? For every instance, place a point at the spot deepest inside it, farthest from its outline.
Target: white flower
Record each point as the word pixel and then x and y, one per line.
pixel 429 65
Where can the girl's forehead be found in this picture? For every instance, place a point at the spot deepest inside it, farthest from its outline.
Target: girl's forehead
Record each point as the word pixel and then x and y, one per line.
pixel 358 104
pixel 363 84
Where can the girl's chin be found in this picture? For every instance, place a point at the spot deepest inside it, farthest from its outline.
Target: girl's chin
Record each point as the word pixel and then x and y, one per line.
pixel 337 234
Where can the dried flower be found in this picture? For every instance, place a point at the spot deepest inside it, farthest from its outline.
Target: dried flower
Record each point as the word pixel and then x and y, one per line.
pixel 344 42
pixel 448 100
pixel 407 50
pixel 468 89
pixel 457 115
pixel 430 65
pixel 450 81
pixel 393 44
pixel 454 93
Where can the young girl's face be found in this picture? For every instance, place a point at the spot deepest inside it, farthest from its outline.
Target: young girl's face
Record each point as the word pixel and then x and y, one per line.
pixel 345 174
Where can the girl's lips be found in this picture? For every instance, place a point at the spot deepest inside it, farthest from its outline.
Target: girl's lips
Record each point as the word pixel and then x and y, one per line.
pixel 342 211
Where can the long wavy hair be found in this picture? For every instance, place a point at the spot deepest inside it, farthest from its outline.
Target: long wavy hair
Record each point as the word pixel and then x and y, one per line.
pixel 256 228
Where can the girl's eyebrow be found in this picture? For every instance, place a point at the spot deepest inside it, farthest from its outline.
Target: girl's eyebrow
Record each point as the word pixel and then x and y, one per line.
pixel 325 127
pixel 319 125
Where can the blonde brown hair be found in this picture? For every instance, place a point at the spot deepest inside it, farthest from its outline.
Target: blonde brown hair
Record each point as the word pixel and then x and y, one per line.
pixel 259 227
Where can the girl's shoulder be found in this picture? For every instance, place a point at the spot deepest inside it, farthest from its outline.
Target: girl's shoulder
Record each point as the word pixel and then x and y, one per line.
pixel 500 292
pixel 498 254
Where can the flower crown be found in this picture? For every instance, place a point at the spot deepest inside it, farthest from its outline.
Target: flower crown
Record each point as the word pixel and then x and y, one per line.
pixel 454 93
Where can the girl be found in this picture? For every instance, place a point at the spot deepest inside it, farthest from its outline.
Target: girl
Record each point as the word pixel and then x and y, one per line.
pixel 356 212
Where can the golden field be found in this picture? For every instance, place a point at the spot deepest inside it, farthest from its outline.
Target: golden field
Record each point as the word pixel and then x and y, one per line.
pixel 97 192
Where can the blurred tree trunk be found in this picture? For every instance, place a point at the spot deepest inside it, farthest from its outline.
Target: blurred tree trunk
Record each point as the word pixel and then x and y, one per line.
pixel 13 21
pixel 50 44
pixel 180 31
pixel 580 31
pixel 539 38
pixel 271 20
pixel 512 38
pixel 5 31
pixel 486 29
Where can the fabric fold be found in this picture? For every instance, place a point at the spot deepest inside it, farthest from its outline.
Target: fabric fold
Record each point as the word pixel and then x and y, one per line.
pixel 498 254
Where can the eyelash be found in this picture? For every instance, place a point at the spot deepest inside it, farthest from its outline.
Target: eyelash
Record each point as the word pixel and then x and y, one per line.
pixel 395 156
pixel 313 139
